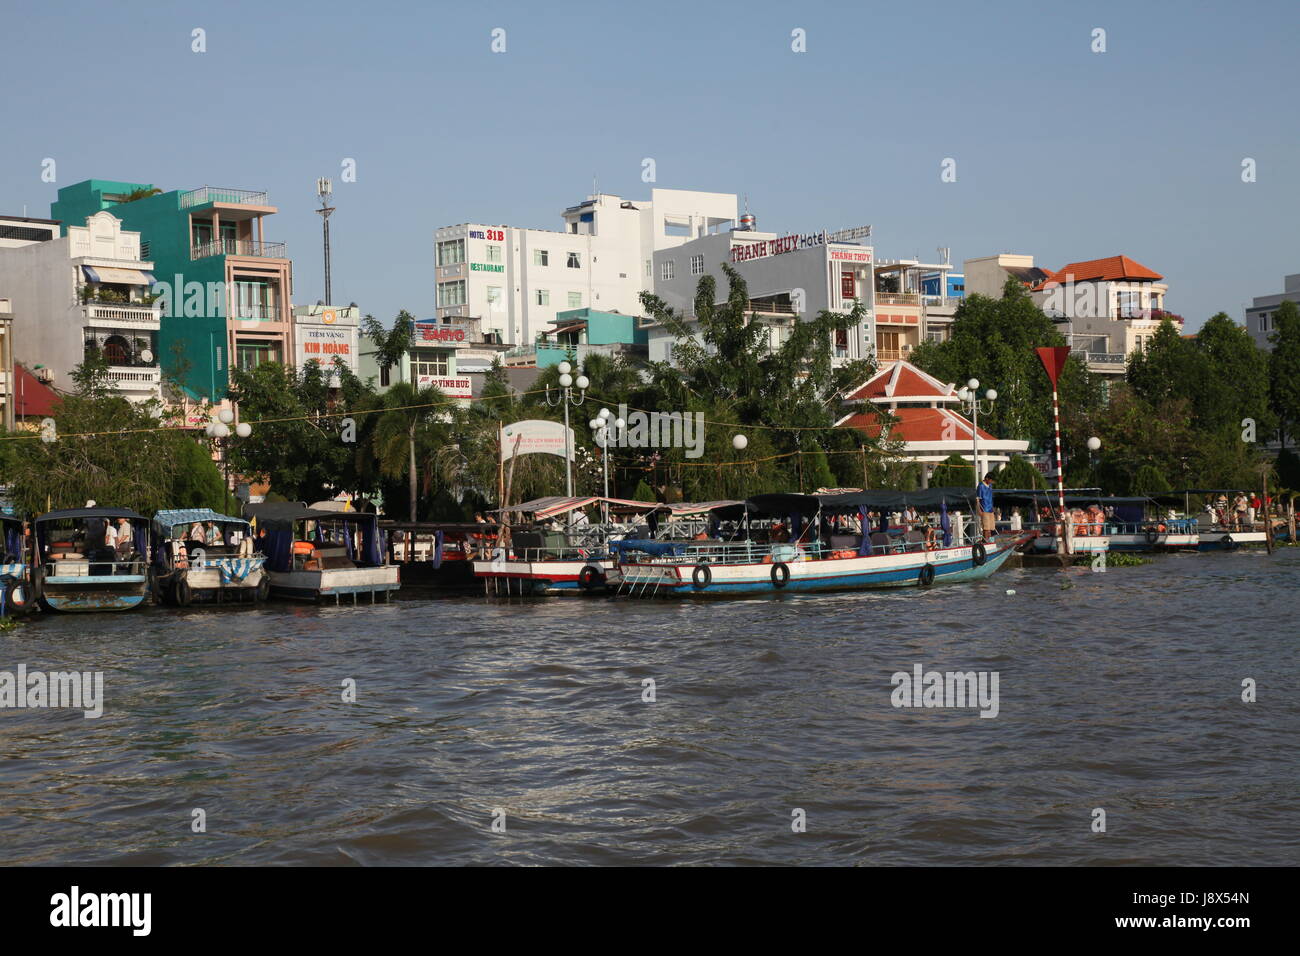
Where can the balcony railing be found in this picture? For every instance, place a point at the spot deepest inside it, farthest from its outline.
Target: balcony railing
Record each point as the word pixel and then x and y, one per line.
pixel 206 194
pixel 1100 358
pixel 770 308
pixel 898 298
pixel 115 313
pixel 256 313
pixel 237 247
pixel 143 377
pixel 893 355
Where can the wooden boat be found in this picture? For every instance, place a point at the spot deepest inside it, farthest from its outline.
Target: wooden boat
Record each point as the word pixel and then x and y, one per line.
pixel 16 595
pixel 541 557
pixel 316 555
pixel 437 555
pixel 74 569
pixel 219 569
pixel 750 558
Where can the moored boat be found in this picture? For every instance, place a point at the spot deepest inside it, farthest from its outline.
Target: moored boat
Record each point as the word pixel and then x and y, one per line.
pixel 792 543
pixel 76 567
pixel 201 556
pixel 316 555
pixel 16 595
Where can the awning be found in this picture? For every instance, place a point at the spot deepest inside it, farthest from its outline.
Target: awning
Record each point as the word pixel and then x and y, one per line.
pixel 124 276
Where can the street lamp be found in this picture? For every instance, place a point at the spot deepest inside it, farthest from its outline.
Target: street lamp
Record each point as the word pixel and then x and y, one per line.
pixel 564 396
pixel 969 395
pixel 219 431
pixel 605 431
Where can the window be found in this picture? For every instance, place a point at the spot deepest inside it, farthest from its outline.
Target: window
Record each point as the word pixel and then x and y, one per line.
pixel 649 269
pixel 385 375
pixel 219 358
pixel 254 300
pixel 848 286
pixel 451 252
pixel 697 265
pixel 493 253
pixel 543 296
pixel 451 293
pixel 666 269
pixel 250 355
pixel 541 257
pixel 575 261
pixel 575 300
pixel 428 363
pixel 494 297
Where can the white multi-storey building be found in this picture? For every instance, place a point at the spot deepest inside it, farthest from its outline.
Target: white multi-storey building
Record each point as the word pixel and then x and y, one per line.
pixel 82 293
pixel 787 276
pixel 515 280
pixel 1259 315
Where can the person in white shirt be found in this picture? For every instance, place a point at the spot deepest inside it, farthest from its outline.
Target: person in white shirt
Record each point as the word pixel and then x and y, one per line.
pixel 110 538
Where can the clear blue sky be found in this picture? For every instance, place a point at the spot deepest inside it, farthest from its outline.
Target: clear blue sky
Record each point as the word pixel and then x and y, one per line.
pixel 1061 152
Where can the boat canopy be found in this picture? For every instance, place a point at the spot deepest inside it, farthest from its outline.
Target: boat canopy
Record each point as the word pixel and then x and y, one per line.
pixel 81 514
pixel 166 521
pixel 282 515
pixel 276 523
pixel 923 499
pixel 543 508
pixel 783 504
pixel 1071 498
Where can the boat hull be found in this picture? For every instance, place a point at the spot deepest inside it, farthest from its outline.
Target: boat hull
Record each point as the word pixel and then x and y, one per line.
pixel 951 565
pixel 336 584
pixel 545 577
pixel 1229 540
pixel 109 592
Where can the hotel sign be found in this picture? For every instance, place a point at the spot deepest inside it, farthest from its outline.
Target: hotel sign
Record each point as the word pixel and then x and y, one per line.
pixel 846 255
pixel 743 252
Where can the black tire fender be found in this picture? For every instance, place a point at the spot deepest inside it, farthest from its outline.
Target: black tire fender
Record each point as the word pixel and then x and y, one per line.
pixel 780 574
pixel 702 576
pixel 926 577
pixel 978 555
pixel 263 587
pixel 1228 543
pixel 590 577
pixel 182 591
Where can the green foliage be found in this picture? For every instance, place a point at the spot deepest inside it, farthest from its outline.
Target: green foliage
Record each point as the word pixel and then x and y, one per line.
pixel 953 472
pixel 1149 481
pixel 1284 368
pixel 390 344
pixel 1019 473
pixel 127 458
pixel 643 491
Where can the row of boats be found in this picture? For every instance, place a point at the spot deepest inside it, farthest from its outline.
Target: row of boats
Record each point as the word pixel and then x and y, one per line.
pixel 113 559
pixel 103 559
pixel 838 541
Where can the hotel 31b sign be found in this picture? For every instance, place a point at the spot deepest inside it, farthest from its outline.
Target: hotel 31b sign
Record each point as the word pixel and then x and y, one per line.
pixel 743 252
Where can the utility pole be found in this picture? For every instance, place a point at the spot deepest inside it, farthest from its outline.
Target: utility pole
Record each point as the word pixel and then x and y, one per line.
pixel 324 190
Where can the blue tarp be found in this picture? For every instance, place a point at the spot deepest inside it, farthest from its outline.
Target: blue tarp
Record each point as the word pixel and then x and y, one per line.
pixel 654 548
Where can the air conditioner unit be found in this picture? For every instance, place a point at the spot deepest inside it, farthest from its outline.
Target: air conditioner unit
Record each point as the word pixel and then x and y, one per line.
pixel 45 375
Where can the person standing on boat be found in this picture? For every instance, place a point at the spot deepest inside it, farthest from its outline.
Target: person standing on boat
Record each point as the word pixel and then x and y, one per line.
pixel 124 536
pixel 1241 506
pixel 196 533
pixel 984 501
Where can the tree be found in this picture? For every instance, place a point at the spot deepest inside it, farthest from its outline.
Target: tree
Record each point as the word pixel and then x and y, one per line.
pixel 1149 481
pixel 953 472
pixel 390 344
pixel 1284 369
pixel 1019 473
pixel 408 434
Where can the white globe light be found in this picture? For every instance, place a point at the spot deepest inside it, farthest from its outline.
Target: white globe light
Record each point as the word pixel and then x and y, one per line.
pixel 963 394
pixel 210 430
pixel 566 380
pixel 220 431
pixel 740 443
pixel 991 394
pixel 620 424
pixel 594 424
pixel 973 384
pixel 565 368
pixel 226 416
pixel 243 429
pixel 583 381
pixel 1094 443
pixel 605 413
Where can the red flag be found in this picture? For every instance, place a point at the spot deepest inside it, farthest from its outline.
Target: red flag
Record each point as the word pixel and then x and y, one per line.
pixel 1053 360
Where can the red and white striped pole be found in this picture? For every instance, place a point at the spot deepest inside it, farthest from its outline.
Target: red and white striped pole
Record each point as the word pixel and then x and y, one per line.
pixel 1053 360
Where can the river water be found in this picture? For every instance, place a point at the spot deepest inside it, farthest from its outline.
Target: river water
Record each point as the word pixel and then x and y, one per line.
pixel 1119 690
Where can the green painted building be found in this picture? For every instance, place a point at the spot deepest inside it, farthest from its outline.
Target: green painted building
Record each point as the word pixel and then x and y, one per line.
pixel 581 332
pixel 226 291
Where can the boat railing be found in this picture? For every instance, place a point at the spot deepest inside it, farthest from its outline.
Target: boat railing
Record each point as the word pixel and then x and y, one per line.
pixel 752 552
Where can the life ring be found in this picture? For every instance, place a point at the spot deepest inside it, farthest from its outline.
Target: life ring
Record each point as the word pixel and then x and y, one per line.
pixel 702 576
pixel 1152 535
pixel 978 555
pixel 926 577
pixel 780 574
pixel 182 592
pixel 590 577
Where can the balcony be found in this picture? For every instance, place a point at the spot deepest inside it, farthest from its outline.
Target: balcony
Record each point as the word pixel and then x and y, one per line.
pixel 134 379
pixel 893 355
pixel 238 247
pixel 899 298
pixel 256 313
pixel 209 194
pixel 116 313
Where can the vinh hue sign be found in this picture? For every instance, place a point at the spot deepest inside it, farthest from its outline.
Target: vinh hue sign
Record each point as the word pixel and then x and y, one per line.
pixel 539 436
pixel 452 387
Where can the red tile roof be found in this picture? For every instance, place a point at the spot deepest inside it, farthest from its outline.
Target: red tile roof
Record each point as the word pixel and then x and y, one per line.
pixel 1110 269
pixel 32 397
pixel 899 380
pixel 918 424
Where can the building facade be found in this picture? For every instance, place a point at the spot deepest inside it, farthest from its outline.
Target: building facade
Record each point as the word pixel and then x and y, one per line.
pixel 450 355
pixel 82 294
pixel 8 417
pixel 226 288
pixel 788 276
pixel 578 333
pixel 516 280
pixel 1259 315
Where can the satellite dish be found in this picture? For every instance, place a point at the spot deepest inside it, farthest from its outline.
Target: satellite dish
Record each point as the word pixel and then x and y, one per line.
pixel 146 356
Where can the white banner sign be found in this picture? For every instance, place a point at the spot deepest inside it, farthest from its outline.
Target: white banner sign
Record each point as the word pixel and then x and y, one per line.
pixel 535 436
pixel 453 387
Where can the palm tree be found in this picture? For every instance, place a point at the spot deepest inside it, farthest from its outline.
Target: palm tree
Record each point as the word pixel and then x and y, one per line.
pixel 390 344
pixel 409 429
